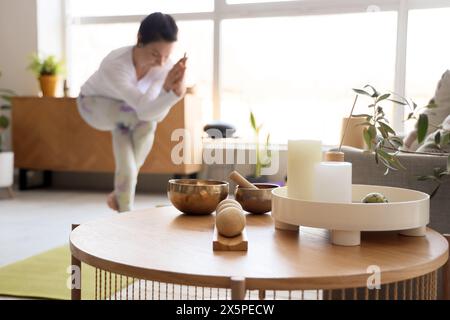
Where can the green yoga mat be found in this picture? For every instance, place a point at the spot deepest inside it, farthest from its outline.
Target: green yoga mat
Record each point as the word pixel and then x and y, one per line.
pixel 45 276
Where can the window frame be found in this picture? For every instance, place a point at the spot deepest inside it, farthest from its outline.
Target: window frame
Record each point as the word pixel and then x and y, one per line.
pixel 222 10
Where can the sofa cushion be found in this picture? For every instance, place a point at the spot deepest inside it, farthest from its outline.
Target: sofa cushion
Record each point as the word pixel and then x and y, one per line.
pixel 436 115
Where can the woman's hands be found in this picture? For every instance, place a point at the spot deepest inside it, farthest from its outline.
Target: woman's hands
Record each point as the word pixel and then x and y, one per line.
pixel 175 78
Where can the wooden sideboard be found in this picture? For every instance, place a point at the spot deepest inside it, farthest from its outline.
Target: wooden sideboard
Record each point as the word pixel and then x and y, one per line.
pixel 49 135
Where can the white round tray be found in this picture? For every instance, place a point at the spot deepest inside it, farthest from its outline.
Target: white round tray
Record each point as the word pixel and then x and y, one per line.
pixel 408 211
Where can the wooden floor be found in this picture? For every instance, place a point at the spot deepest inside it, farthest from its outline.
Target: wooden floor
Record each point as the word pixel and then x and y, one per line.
pixel 39 220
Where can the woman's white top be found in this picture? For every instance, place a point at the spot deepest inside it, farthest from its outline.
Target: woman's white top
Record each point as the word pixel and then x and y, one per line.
pixel 116 78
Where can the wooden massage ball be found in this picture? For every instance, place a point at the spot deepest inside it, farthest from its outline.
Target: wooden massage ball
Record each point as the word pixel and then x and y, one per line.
pixel 230 219
pixel 227 203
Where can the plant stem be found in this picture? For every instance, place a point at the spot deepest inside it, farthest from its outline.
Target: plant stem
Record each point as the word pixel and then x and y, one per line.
pixel 417 152
pixel 258 160
pixel 348 122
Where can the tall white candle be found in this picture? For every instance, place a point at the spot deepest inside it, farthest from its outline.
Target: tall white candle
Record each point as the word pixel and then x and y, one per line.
pixel 333 182
pixel 302 156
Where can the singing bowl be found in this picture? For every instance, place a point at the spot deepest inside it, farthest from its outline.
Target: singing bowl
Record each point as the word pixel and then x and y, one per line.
pixel 257 201
pixel 196 197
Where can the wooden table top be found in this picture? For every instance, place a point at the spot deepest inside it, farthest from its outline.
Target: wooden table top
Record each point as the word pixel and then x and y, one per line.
pixel 164 245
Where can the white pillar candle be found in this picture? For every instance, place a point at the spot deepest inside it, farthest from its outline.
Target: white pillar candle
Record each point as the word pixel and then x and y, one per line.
pixel 333 182
pixel 302 156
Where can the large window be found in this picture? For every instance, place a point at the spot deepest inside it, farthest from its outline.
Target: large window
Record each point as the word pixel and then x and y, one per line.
pixel 86 8
pixel 292 62
pixel 428 52
pixel 296 73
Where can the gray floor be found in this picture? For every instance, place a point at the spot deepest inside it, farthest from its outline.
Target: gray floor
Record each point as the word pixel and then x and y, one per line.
pixel 39 220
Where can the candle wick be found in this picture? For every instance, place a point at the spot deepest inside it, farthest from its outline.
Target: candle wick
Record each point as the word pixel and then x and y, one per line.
pixel 348 122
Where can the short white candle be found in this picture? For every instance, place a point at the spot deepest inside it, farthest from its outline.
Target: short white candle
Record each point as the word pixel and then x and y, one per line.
pixel 333 182
pixel 302 156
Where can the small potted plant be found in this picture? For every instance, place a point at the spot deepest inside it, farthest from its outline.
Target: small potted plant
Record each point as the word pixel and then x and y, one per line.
pixel 384 142
pixel 263 156
pixel 47 70
pixel 6 157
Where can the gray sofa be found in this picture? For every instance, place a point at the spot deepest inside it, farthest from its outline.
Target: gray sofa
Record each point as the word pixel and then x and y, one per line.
pixel 366 171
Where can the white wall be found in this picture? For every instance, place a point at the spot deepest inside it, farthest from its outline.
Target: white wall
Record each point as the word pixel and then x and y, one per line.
pixel 50 27
pixel 18 39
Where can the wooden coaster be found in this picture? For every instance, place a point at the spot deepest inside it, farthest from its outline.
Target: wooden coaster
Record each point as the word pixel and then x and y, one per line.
pixel 238 243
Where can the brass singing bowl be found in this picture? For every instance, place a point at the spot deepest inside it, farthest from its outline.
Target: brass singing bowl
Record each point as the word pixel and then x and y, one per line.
pixel 197 197
pixel 257 201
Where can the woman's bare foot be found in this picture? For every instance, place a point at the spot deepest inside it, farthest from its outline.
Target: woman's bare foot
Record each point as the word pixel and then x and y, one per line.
pixel 112 201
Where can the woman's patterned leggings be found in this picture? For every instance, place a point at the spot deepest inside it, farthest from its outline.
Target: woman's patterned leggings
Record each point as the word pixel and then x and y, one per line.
pixel 132 141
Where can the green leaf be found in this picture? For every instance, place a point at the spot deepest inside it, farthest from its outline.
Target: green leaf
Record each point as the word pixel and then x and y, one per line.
pixel 426 178
pixel 367 139
pixel 372 132
pixel 397 141
pixel 383 97
pixel 435 191
pixel 387 164
pixel 443 174
pixel 4 122
pixel 387 128
pixel 398 102
pixel 422 127
pixel 383 132
pixel 391 161
pixel 445 140
pixel 252 121
pixel 362 92
pixel 6 98
pixel 379 109
pixel 396 162
pixel 375 93
pixel 437 138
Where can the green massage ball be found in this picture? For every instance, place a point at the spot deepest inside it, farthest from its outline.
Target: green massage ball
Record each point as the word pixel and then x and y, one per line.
pixel 374 197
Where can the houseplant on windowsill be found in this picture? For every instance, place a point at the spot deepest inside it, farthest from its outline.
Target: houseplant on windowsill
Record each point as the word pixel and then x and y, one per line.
pixel 47 70
pixel 6 157
pixel 263 156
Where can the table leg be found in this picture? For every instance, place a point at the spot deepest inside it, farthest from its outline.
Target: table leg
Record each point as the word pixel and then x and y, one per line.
pixel 262 294
pixel 237 288
pixel 76 292
pixel 10 192
pixel 345 238
pixel 285 226
pixel 416 232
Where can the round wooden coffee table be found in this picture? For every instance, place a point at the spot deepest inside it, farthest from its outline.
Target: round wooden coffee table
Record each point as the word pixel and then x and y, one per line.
pixel 172 253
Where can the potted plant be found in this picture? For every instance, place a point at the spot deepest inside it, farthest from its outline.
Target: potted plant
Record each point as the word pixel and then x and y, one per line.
pixel 47 69
pixel 384 142
pixel 6 157
pixel 263 156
